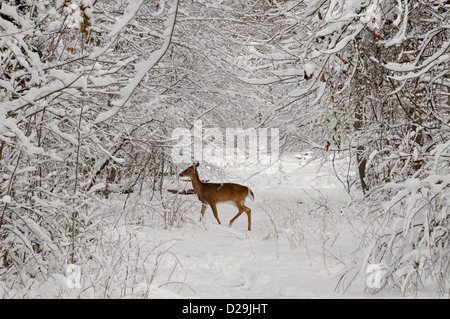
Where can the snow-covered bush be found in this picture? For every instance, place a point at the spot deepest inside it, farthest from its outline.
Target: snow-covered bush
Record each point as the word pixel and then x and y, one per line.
pixel 414 237
pixel 371 80
pixel 53 159
pixel 90 92
pixel 406 232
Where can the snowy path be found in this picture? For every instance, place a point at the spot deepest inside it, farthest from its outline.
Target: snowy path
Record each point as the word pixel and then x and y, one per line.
pixel 297 245
pixel 275 260
pixel 223 265
pixel 302 233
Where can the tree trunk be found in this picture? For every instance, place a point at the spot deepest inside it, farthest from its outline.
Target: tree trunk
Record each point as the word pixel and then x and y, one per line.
pixel 361 160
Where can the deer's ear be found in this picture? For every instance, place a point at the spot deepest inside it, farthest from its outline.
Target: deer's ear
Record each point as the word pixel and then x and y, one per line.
pixel 196 164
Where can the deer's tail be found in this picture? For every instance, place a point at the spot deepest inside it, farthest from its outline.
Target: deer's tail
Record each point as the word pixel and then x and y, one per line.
pixel 250 193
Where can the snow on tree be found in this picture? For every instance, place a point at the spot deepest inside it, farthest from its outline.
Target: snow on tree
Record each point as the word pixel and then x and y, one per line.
pixel 91 90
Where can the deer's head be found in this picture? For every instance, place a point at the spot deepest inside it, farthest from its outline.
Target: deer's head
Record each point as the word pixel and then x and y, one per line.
pixel 190 171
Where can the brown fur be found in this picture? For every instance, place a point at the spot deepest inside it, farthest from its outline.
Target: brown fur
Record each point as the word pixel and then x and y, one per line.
pixel 213 193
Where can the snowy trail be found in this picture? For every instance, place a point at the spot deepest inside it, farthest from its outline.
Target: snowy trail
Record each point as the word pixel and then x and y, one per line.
pixel 297 245
pixel 226 266
pixel 216 261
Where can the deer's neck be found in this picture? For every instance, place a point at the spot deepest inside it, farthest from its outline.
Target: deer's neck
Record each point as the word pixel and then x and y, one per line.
pixel 196 183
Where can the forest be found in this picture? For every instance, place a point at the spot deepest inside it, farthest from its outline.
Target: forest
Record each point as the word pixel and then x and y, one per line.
pixel 95 95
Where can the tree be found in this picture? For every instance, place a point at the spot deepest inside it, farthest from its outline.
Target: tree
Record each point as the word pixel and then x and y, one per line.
pixel 390 61
pixel 370 78
pixel 58 74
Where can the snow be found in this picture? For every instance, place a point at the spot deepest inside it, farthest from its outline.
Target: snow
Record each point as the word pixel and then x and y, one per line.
pixel 307 228
pixel 413 184
pixel 342 43
pixel 142 67
pixel 401 35
pixel 309 68
pixel 439 56
pixel 293 250
pixel 6 199
pixel 298 245
pixel 129 14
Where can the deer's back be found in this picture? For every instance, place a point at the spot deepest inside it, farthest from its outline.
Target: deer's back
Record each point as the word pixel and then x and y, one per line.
pixel 223 192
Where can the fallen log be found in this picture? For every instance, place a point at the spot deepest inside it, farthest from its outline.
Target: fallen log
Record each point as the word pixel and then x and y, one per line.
pixel 182 191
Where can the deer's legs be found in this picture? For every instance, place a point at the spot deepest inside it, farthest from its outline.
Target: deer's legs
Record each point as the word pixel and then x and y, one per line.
pixel 242 208
pixel 203 212
pixel 249 216
pixel 214 209
pixel 235 217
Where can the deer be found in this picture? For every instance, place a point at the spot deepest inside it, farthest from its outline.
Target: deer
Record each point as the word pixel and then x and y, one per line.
pixel 213 193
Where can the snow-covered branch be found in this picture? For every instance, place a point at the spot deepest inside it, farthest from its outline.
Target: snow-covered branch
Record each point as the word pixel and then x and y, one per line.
pixel 142 67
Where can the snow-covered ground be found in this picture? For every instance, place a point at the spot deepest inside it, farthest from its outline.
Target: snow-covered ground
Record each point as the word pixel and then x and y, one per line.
pixel 301 236
pixel 286 255
pixel 297 245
